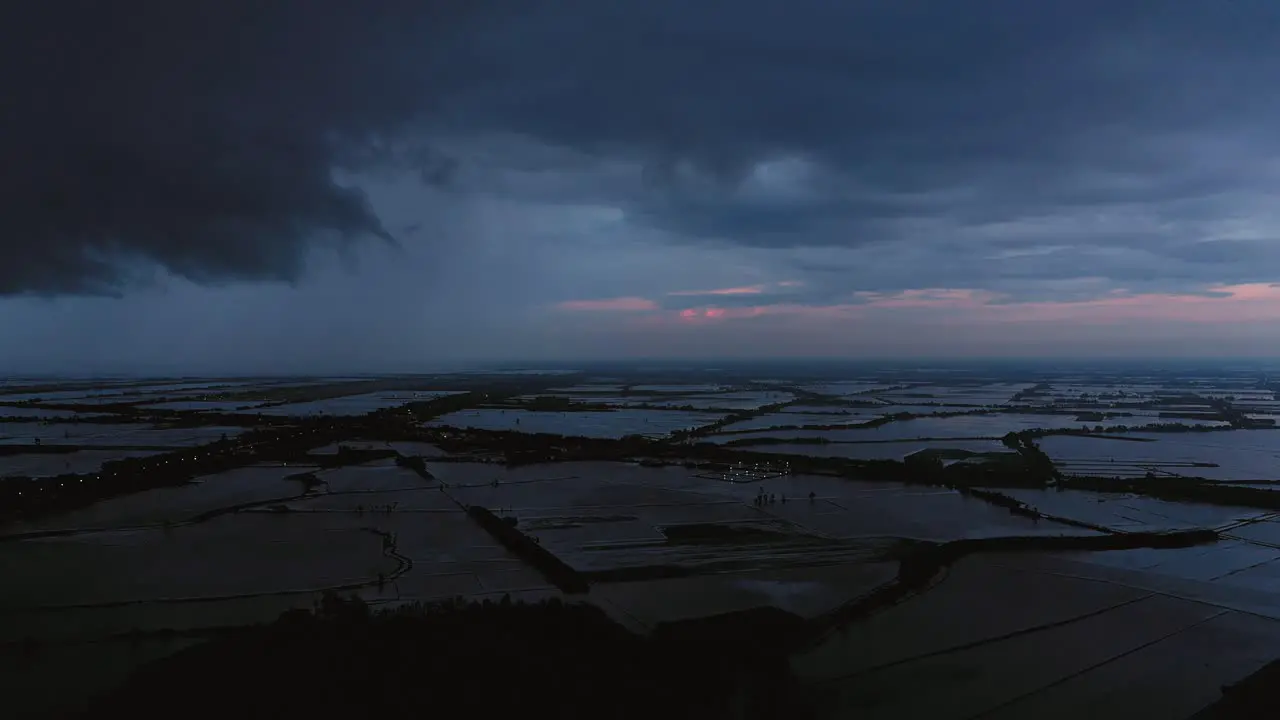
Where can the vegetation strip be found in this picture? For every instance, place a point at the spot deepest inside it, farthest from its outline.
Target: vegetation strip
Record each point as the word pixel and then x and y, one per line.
pixel 544 561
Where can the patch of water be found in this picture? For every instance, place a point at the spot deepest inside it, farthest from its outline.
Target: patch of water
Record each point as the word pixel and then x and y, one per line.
pixel 605 424
pixel 37 465
pixel 245 553
pixel 770 420
pixel 353 404
pixel 204 405
pixel 879 451
pixel 1227 455
pixel 174 504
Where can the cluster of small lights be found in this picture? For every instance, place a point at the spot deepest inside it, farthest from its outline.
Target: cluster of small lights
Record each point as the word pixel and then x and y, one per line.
pixel 743 473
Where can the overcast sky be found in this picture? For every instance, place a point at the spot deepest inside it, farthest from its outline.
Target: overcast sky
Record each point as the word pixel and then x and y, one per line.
pixel 235 185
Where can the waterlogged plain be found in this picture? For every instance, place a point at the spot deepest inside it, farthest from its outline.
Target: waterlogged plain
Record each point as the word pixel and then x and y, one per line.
pixel 990 394
pixel 804 591
pixel 930 409
pixel 870 409
pixel 68 433
pixel 745 400
pixel 1246 559
pixel 412 448
pixel 281 559
pixel 127 394
pixel 449 554
pixel 771 420
pixel 112 434
pixel 373 477
pixel 683 389
pixel 351 404
pixel 588 388
pixel 729 400
pixel 1236 455
pixel 805 555
pixel 896 450
pixel 1036 643
pixel 35 412
pixel 925 428
pixel 602 516
pixel 174 504
pixel 203 405
pixel 78 462
pixel 1129 513
pixel 839 389
pixel 240 554
pixel 601 424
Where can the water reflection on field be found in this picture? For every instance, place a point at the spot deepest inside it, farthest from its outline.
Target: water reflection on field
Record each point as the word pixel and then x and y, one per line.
pixel 879 450
pixel 1001 636
pixel 227 556
pixel 1227 455
pixel 175 504
pixel 1035 638
pixel 601 424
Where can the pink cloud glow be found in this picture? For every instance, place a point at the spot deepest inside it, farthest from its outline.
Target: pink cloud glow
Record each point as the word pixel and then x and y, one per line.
pixel 931 297
pixel 1257 302
pixel 621 304
pixel 1234 304
pixel 740 290
pixel 738 313
pixel 744 290
pixel 1229 303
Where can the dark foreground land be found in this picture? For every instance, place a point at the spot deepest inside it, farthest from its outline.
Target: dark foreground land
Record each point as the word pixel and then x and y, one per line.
pixel 565 659
pixel 550 659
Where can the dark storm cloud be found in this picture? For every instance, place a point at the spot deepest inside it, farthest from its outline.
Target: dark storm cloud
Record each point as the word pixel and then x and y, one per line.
pixel 1031 108
pixel 199 135
pixel 202 135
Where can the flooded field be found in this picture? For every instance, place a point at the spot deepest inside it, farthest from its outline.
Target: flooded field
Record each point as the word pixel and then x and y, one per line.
pixel 896 450
pixel 176 504
pixel 204 405
pixel 244 554
pixel 745 400
pixel 129 393
pixel 976 396
pixel 603 424
pixel 683 389
pixel 783 419
pixel 110 434
pixel 727 401
pixel 931 409
pixel 1129 513
pixel 872 410
pixel 845 388
pixel 47 464
pixel 10 411
pixel 588 388
pixel 140 562
pixel 806 591
pixel 925 428
pixel 1000 635
pixel 606 516
pixel 349 405
pixel 1232 455
pixel 1038 640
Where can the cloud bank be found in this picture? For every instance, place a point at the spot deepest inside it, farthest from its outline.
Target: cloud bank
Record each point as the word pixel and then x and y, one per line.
pixel 199 136
pixel 550 167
